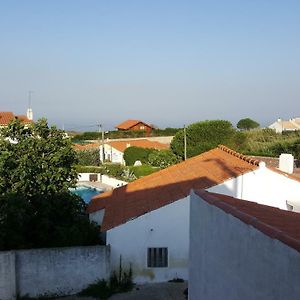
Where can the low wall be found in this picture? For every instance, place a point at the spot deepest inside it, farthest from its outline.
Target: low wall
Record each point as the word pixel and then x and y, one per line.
pixel 54 271
pixel 113 182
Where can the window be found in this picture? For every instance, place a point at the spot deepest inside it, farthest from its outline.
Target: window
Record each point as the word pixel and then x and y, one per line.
pixel 142 127
pixel 157 258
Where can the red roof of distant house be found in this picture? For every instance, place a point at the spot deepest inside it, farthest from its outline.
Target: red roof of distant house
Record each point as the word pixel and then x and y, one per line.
pixel 7 117
pixel 130 123
pixel 166 186
pixel 122 145
pixel 142 143
pixel 276 223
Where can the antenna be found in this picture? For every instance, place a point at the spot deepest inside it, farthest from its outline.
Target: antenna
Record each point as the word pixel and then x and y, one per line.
pixel 29 98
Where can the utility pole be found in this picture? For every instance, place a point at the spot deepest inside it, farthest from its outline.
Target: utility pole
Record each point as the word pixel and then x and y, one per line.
pixel 184 138
pixel 101 143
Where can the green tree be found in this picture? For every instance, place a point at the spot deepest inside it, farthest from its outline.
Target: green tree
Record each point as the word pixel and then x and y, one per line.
pixel 162 158
pixel 132 154
pixel 35 160
pixel 247 124
pixel 88 157
pixel 56 220
pixel 203 136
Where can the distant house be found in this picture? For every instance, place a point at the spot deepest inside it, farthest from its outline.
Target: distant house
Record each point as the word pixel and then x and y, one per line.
pixel 7 117
pixel 281 125
pixel 114 150
pixel 135 125
pixel 242 250
pixel 147 221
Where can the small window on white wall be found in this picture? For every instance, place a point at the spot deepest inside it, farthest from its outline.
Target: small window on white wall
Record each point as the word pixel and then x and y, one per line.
pixel 157 257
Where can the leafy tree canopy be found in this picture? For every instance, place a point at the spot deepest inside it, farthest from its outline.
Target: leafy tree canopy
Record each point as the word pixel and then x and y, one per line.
pixel 203 136
pixel 162 158
pixel 247 124
pixel 132 154
pixel 37 159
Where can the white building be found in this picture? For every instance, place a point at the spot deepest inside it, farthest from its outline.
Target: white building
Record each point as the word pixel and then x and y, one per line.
pixel 147 221
pixel 242 250
pixel 281 125
pixel 114 150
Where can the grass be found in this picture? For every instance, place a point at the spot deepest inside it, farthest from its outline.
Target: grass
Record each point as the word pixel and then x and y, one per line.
pixel 143 170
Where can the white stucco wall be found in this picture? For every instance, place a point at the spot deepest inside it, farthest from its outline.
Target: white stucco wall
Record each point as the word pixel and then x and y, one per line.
pixel 113 182
pixel 112 154
pixel 54 271
pixel 164 227
pixel 263 186
pixel 232 260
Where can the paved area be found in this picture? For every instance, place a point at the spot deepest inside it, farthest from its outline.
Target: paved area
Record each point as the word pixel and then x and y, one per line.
pixel 96 184
pixel 155 291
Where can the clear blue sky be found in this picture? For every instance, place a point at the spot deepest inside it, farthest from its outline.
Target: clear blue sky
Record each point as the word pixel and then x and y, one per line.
pixel 166 62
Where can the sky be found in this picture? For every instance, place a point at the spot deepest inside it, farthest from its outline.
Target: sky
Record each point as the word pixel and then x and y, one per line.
pixel 166 62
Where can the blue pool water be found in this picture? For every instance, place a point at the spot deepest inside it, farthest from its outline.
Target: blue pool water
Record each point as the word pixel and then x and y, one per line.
pixel 86 193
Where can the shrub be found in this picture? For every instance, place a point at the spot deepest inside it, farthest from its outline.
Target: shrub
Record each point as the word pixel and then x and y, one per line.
pixel 203 136
pixel 132 154
pixel 162 158
pixel 56 220
pixel 88 157
pixel 144 170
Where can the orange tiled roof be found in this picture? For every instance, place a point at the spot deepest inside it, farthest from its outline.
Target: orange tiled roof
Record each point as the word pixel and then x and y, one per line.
pixel 86 147
pixel 7 117
pixel 130 123
pixel 122 145
pixel 143 143
pixel 277 223
pixel 23 119
pixel 166 186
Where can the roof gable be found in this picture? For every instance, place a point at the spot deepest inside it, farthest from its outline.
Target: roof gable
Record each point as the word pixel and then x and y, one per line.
pixel 171 184
pixel 130 123
pixel 276 223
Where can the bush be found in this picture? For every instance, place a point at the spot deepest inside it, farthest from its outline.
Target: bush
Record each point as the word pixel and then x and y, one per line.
pixel 56 220
pixel 132 154
pixel 91 169
pixel 88 157
pixel 162 158
pixel 203 136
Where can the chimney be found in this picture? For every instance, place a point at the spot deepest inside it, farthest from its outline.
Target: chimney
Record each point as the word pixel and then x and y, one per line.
pixel 127 145
pixel 286 163
pixel 279 120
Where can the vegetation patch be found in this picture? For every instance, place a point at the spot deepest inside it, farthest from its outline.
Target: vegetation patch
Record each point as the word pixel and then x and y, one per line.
pixel 119 282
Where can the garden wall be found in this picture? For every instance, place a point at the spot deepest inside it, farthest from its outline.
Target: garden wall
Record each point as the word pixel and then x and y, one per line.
pixel 54 271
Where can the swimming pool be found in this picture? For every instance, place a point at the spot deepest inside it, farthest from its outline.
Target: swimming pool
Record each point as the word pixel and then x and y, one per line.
pixel 85 192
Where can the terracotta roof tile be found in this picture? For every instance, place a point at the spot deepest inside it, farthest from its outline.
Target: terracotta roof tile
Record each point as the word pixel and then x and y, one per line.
pixel 7 117
pixel 130 123
pixel 122 145
pixel 276 223
pixel 168 185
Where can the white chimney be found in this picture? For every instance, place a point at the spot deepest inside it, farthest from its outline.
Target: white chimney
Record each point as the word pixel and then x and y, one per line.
pixel 286 163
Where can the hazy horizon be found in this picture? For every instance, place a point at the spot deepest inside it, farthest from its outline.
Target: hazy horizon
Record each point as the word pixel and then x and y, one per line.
pixel 168 63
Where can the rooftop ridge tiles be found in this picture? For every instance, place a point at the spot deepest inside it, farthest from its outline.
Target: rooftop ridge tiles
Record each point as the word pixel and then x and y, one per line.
pixel 241 156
